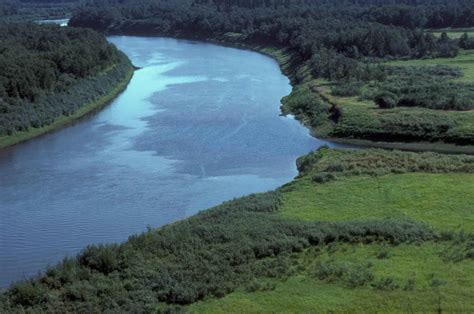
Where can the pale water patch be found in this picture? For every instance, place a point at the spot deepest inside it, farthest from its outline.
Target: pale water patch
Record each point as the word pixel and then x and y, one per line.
pixel 198 124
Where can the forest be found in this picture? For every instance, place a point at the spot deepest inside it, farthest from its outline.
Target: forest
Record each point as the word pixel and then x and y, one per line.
pixel 346 45
pixel 49 71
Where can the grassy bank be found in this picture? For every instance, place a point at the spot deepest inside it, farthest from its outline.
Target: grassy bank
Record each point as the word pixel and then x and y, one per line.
pixel 429 276
pixel 83 110
pixel 359 231
pixel 362 122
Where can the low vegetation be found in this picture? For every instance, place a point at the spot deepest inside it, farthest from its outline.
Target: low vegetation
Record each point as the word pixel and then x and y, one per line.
pixel 261 244
pixel 426 100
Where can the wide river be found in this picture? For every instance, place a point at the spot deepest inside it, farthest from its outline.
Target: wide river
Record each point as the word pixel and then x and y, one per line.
pixel 199 124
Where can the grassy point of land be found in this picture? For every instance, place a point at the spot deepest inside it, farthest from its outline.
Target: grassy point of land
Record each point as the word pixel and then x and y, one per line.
pixel 410 277
pixel 419 196
pixel 365 124
pixel 357 231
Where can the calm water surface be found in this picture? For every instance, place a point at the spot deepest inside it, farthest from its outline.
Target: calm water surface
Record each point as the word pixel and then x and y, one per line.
pixel 198 124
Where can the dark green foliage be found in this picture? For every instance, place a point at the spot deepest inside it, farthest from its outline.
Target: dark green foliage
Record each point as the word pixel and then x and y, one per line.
pixel 346 90
pixel 256 285
pixel 306 105
pixel 386 283
pixel 46 69
pixel 461 249
pixel 335 113
pixel 410 284
pixel 29 10
pixel 351 274
pixel 465 42
pixel 236 244
pixel 386 100
pixel 409 126
pixel 323 177
pixel 335 37
pixel 28 293
pixel 377 162
pixel 424 87
pixel 384 253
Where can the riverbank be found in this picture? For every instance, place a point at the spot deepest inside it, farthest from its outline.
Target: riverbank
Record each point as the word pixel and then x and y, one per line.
pixel 83 111
pixel 352 232
pixel 362 124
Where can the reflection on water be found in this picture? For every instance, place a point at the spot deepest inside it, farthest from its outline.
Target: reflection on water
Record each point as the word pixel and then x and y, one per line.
pixel 198 124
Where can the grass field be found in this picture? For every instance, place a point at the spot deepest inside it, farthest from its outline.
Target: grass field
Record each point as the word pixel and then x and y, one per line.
pixel 438 285
pixel 407 278
pixel 464 61
pixel 418 196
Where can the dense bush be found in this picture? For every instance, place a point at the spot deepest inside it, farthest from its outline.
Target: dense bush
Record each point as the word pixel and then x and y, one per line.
pixel 346 90
pixel 48 71
pixel 380 162
pixel 351 274
pixel 306 106
pixel 386 100
pixel 233 244
pixel 422 86
pixel 335 37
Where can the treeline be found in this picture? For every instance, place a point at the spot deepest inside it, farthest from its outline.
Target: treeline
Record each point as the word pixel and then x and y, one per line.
pixel 31 10
pixel 42 67
pixel 340 37
pixel 346 28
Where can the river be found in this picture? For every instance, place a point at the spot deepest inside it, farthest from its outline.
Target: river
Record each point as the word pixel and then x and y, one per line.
pixel 198 124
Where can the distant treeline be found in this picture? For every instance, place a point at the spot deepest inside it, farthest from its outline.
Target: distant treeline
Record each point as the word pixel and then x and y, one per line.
pixel 42 67
pixel 28 10
pixel 336 36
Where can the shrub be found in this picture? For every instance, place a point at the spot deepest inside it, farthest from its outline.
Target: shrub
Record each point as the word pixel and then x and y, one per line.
pixel 384 253
pixel 100 258
pixel 346 89
pixel 386 100
pixel 335 113
pixel 385 283
pixel 27 293
pixel 410 285
pixel 323 177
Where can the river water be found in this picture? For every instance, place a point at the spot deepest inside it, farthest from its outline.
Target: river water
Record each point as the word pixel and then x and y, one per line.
pixel 199 124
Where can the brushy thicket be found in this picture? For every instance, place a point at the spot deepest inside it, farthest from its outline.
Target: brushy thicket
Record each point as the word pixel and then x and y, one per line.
pixel 208 255
pixel 375 162
pixel 237 244
pixel 398 124
pixel 48 71
pixel 423 86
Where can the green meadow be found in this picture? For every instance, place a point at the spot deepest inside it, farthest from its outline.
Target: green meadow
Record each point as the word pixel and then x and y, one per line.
pixel 406 278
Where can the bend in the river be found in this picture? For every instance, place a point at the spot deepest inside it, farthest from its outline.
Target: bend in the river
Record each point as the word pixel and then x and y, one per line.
pixel 199 124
